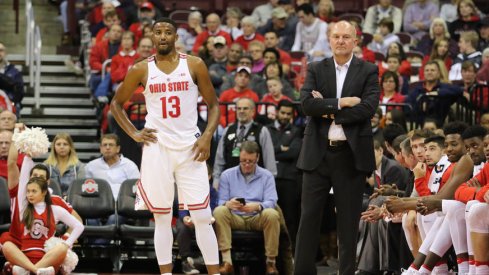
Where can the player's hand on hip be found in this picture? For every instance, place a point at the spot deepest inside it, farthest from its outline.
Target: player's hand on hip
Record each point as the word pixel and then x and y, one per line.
pixel 146 135
pixel 201 149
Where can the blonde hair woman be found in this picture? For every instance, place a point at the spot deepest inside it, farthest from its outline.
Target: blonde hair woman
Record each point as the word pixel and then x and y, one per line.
pixel 438 31
pixel 63 163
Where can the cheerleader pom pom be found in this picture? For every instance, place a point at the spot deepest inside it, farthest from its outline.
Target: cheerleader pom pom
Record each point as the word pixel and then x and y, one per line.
pixel 31 141
pixel 71 259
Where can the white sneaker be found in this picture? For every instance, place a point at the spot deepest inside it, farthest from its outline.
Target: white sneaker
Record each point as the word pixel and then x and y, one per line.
pixel 46 271
pixel 407 272
pixel 17 270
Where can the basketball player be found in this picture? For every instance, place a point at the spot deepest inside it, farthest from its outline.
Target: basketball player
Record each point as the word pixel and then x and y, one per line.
pixel 174 150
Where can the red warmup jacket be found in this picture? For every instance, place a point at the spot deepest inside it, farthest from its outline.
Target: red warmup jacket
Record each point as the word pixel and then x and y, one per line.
pixel 404 69
pixel 120 64
pixel 200 39
pixel 465 193
pixel 98 54
pixel 245 42
pixel 232 95
pixel 421 184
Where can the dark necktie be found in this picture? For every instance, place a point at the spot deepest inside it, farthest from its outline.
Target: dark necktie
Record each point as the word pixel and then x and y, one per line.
pixel 241 133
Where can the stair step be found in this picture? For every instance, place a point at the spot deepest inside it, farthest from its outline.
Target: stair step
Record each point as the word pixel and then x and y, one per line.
pixel 69 112
pixel 58 69
pixel 72 132
pixel 72 80
pixel 57 122
pixel 80 146
pixel 59 101
pixel 64 90
pixel 44 57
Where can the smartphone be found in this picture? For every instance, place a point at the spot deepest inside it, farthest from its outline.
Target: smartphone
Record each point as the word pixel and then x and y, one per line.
pixel 241 200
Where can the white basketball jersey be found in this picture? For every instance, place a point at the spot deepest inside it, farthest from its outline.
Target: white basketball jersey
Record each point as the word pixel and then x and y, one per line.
pixel 171 102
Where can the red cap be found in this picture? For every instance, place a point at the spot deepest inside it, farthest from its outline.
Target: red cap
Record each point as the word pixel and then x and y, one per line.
pixel 146 5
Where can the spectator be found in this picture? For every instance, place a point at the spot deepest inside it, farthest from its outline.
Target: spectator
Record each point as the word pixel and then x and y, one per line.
pixel 145 47
pixel 122 61
pixel 233 17
pixel 187 32
pixel 397 49
pixel 63 163
pixel 112 166
pixel 256 186
pixel 274 96
pixel 95 27
pixel 325 11
pixel 240 90
pixel 440 96
pixel 271 41
pixel 393 65
pixel 282 24
pixel 483 73
pixel 468 51
pixel 146 17
pixel 309 31
pixel 110 18
pixel 395 116
pixel 477 94
pixel 440 52
pixel 263 13
pixel 468 19
pixel 234 54
pixel 376 126
pixel 431 125
pixel 287 141
pixel 213 28
pixel 484 34
pixel 448 11
pixel 7 120
pixel 256 48
pixel 384 37
pixel 101 52
pixel 376 13
pixel 218 62
pixel 274 70
pixel 255 79
pixel 390 91
pixel 234 135
pixel 5 143
pixel 438 31
pixel 248 26
pixel 485 120
pixel 417 17
pixel 11 81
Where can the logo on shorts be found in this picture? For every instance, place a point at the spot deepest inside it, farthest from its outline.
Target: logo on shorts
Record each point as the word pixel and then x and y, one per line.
pixel 38 230
pixel 90 186
pixel 197 135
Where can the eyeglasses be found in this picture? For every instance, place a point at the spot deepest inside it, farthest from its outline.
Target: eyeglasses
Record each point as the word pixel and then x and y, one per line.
pixel 247 162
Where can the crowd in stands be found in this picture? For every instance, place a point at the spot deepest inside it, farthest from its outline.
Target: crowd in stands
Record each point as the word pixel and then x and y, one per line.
pixel 431 129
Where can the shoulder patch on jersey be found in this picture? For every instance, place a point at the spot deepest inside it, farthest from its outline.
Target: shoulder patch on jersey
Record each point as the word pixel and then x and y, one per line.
pixel 182 55
pixel 151 58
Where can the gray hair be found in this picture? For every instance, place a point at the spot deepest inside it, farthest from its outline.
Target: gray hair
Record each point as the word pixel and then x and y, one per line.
pixel 249 20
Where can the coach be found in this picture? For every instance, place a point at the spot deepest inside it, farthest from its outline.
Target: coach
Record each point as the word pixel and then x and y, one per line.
pixel 340 95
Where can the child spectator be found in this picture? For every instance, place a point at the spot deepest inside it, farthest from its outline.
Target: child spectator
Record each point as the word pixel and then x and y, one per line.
pixel 468 51
pixel 384 37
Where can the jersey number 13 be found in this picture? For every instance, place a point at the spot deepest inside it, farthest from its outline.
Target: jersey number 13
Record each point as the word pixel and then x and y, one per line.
pixel 170 106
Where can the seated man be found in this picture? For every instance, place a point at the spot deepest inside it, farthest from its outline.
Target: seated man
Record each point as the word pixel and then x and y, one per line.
pixel 247 199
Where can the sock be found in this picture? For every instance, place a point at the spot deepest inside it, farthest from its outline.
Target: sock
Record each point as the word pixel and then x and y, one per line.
pixel 205 235
pixel 424 270
pixel 471 267
pixel 481 267
pixel 163 238
pixel 412 268
pixel 165 273
pixel 463 265
pixel 226 256
pixel 441 268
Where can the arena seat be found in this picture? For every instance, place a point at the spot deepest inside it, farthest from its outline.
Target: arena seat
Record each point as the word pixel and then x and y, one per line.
pixel 55 188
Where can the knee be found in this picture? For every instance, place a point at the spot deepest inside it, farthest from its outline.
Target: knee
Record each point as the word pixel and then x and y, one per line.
pixel 271 215
pixel 477 219
pixel 201 217
pixel 220 212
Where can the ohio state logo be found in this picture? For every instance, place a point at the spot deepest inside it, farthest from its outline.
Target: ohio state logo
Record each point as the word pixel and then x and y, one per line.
pixel 90 186
pixel 38 230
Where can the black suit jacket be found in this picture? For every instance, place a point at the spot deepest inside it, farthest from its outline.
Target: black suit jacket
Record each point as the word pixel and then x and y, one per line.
pixel 393 173
pixel 361 81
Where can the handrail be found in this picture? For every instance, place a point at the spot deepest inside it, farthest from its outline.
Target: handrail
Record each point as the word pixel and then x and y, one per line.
pixel 37 55
pixel 104 67
pixel 28 18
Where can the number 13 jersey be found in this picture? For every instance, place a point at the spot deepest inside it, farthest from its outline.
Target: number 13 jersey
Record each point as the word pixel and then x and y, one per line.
pixel 171 103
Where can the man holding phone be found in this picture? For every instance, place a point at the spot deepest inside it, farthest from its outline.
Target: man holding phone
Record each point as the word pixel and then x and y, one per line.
pixel 247 199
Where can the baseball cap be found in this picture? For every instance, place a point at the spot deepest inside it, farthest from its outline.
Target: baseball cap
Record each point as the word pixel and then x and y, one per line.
pixel 243 68
pixel 279 12
pixel 219 40
pixel 146 5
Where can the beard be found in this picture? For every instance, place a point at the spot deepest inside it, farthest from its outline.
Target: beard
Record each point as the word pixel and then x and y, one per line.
pixel 164 51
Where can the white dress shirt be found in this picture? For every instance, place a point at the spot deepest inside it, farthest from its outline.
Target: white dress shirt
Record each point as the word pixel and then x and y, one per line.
pixel 336 130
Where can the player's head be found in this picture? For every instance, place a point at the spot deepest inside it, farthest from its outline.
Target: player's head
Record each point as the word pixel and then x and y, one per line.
pixel 434 146
pixel 473 138
pixel 454 144
pixel 417 143
pixel 40 171
pixel 164 35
